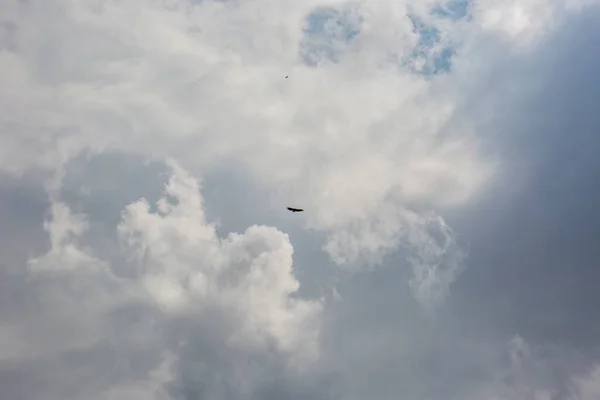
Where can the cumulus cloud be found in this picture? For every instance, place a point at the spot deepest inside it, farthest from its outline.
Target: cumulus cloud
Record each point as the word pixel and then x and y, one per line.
pixel 192 288
pixel 171 78
pixel 249 274
pixel 399 121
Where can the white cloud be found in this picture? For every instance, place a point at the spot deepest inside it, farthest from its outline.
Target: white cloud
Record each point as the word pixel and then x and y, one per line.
pixel 239 288
pixel 437 262
pixel 185 80
pixel 376 152
pixel 186 266
pixel 62 228
pixel 520 21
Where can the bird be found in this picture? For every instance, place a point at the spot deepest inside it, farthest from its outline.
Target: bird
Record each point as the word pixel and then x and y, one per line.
pixel 292 209
pixel 286 77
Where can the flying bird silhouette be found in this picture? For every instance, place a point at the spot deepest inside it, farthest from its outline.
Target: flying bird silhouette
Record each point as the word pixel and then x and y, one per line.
pixel 292 209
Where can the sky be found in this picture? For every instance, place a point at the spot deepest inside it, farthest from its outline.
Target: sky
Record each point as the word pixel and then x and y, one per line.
pixel 444 153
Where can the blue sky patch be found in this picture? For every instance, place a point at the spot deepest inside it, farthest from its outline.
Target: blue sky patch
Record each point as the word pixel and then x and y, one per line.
pixel 453 9
pixel 435 57
pixel 327 34
pixel 431 56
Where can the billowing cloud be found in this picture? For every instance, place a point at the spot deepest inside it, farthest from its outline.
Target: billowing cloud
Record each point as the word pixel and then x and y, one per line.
pixel 191 289
pixel 443 151
pixel 354 154
pixel 186 265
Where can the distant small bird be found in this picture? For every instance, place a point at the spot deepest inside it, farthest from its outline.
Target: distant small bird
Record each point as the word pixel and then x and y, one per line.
pixel 292 209
pixel 286 77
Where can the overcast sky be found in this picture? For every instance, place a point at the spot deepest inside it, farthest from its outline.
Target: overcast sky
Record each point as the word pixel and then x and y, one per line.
pixel 445 153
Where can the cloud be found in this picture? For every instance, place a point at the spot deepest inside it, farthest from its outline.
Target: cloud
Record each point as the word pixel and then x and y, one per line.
pixel 192 289
pixel 425 140
pixel 249 274
pixel 529 230
pixel 539 372
pixel 589 386
pixel 171 79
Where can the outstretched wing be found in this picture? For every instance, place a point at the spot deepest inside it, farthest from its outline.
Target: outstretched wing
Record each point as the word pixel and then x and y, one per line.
pixel 292 209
